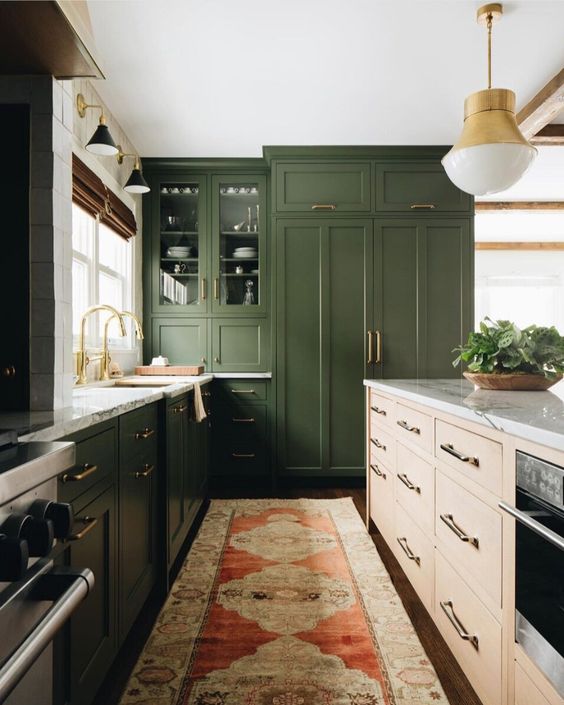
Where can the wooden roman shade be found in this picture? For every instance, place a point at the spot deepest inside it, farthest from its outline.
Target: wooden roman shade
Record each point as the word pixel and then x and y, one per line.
pixel 89 192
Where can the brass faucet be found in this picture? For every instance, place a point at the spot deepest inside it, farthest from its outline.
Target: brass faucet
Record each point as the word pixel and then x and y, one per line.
pixel 105 364
pixel 83 358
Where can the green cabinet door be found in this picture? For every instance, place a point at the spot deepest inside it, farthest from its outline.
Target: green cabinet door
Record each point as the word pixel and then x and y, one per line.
pixel 324 310
pixel 240 345
pixel 321 187
pixel 92 631
pixel 176 459
pixel 415 187
pixel 183 340
pixel 422 294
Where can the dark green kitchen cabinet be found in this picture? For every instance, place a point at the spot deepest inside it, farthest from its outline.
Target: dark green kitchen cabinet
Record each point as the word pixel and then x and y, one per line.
pixel 422 295
pixel 322 187
pixel 240 345
pixel 324 312
pixel 138 481
pixel 183 340
pixel 418 188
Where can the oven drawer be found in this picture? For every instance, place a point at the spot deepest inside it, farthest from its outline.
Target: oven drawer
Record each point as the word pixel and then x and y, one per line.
pixel 415 427
pixel 415 488
pixel 382 504
pixel 476 457
pixel 383 448
pixel 414 552
pixel 470 535
pixel 473 635
pixel 382 410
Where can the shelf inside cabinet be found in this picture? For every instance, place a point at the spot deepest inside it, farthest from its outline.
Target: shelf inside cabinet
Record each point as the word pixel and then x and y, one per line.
pixel 233 274
pixel 235 233
pixel 176 233
pixel 179 259
pixel 239 259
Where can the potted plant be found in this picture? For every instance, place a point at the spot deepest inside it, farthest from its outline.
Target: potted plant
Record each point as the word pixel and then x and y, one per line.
pixel 502 356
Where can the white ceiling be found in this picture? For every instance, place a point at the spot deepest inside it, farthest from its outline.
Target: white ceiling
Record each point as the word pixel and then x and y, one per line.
pixel 225 77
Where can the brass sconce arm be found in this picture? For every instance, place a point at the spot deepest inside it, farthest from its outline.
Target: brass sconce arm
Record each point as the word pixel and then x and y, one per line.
pixel 82 106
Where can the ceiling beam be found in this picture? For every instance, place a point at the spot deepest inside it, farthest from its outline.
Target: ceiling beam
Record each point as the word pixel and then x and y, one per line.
pixel 493 206
pixel 543 108
pixel 550 135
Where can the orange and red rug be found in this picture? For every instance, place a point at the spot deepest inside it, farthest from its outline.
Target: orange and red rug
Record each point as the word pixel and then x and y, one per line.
pixel 283 602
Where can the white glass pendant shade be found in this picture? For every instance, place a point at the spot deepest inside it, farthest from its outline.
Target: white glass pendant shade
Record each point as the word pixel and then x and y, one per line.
pixel 491 154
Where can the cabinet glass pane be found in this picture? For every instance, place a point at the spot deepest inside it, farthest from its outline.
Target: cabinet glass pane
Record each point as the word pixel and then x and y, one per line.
pixel 179 245
pixel 240 223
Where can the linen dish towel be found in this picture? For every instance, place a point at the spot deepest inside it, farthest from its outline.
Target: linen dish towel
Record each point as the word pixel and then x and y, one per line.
pixel 199 409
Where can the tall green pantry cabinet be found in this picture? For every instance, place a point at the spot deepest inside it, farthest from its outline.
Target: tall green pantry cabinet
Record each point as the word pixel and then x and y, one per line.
pixel 373 278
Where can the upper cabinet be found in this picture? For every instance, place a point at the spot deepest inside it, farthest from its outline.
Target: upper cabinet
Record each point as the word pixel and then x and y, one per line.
pixel 239 221
pixel 323 187
pixel 179 245
pixel 418 188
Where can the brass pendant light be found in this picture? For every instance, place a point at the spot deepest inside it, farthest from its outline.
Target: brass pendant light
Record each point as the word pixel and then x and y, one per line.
pixel 491 154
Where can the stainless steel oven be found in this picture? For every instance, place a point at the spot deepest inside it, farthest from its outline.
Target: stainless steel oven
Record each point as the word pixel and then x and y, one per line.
pixel 36 598
pixel 539 564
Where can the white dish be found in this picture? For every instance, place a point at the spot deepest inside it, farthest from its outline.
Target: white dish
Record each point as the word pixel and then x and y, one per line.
pixel 244 249
pixel 254 271
pixel 245 255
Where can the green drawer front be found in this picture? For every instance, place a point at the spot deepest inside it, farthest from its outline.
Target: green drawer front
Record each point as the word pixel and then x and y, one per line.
pixel 138 432
pixel 239 459
pixel 301 187
pixel 242 391
pixel 240 421
pixel 418 188
pixel 95 452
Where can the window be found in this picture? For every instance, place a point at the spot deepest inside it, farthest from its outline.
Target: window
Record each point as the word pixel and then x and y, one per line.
pixel 102 264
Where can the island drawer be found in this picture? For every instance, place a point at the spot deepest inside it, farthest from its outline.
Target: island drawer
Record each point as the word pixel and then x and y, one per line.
pixel 414 426
pixel 382 504
pixel 382 409
pixel 414 552
pixel 415 488
pixel 473 635
pixel 477 457
pixel 383 448
pixel 470 533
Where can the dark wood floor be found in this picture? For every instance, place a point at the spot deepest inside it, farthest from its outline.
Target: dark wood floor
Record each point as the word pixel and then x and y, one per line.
pixel 456 686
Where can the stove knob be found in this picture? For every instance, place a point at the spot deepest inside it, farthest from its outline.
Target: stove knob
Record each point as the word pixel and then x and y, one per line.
pixel 13 558
pixel 37 532
pixel 60 513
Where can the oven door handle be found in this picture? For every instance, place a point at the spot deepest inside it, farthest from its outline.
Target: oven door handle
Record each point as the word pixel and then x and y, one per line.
pixel 547 534
pixel 68 589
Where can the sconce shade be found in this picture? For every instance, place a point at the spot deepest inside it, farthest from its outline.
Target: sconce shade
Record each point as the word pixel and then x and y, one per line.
pixel 102 142
pixel 491 154
pixel 136 183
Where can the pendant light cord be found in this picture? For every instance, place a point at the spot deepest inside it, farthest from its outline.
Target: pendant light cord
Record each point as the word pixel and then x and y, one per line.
pixel 489 26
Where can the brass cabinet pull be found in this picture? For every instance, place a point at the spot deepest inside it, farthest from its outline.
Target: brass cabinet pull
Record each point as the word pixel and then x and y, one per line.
pixel 453 526
pixel 408 552
pixel 203 288
pixel 85 471
pixel 324 207
pixel 378 471
pixel 9 371
pixel 378 358
pixel 378 444
pixel 202 359
pixel 242 420
pixel 89 523
pixel 382 412
pixel 146 433
pixel 370 347
pixel 243 391
pixel 147 470
pixel 179 409
pixel 217 359
pixel 448 608
pixel 451 450
pixel 422 206
pixel 407 427
pixel 243 455
pixel 216 288
pixel 407 482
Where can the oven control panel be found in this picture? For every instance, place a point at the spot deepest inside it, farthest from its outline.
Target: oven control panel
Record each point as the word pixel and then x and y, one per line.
pixel 541 479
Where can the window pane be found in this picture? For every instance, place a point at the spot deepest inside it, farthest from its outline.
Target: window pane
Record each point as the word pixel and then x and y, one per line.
pixel 80 289
pixel 111 292
pixel 83 231
pixel 113 250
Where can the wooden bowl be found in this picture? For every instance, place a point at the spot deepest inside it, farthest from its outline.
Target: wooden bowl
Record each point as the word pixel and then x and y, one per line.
pixel 511 381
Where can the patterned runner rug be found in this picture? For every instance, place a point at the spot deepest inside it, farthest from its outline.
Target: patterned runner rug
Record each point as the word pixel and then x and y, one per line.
pixel 283 602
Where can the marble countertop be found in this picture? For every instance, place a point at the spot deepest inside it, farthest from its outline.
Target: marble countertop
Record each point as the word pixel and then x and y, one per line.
pixel 93 404
pixel 534 416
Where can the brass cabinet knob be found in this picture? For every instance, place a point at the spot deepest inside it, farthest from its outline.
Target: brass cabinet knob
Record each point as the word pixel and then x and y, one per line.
pixel 9 371
pixel 216 359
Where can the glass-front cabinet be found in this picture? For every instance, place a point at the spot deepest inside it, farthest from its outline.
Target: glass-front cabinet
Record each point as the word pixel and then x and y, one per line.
pixel 238 245
pixel 182 245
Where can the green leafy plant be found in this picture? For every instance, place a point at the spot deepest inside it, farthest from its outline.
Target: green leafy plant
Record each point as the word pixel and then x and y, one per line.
pixel 501 347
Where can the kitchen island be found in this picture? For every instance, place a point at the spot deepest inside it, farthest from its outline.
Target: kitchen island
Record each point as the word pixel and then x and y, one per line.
pixel 441 473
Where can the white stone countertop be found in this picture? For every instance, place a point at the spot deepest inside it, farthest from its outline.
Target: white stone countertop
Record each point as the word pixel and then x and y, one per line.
pixel 242 375
pixel 94 403
pixel 534 416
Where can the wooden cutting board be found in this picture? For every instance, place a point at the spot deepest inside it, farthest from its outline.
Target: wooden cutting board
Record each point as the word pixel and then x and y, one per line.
pixel 178 370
